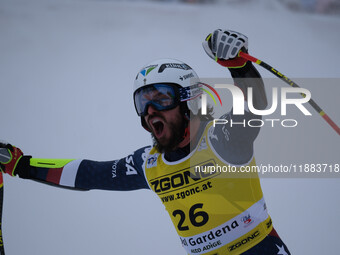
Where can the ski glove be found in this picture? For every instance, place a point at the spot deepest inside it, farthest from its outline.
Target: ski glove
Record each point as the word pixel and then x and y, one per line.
pixel 224 47
pixel 11 159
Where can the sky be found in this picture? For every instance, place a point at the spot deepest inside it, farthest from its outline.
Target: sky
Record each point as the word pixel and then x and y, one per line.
pixel 66 74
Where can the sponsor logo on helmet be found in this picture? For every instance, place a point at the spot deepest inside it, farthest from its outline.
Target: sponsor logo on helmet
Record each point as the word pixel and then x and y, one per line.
pixel 147 70
pixel 187 76
pixel 173 65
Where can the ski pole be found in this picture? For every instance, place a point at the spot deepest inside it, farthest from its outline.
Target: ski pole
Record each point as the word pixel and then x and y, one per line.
pixel 293 84
pixel 3 153
pixel 2 250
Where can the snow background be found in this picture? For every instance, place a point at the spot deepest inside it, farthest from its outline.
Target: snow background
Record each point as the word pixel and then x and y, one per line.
pixel 66 74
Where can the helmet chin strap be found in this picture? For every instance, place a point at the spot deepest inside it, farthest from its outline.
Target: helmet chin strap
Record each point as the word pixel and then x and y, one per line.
pixel 186 119
pixel 186 132
pixel 187 115
pixel 142 120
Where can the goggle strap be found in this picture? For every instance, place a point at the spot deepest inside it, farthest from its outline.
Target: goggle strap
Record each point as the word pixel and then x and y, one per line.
pixel 189 93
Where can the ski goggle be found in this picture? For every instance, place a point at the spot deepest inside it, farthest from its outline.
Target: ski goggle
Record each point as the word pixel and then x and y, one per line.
pixel 163 96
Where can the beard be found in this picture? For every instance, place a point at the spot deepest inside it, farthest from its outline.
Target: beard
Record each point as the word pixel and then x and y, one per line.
pixel 177 130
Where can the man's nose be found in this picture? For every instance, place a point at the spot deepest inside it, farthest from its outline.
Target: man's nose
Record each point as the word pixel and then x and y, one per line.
pixel 151 110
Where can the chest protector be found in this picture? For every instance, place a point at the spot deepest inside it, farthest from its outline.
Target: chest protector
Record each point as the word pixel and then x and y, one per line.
pixel 217 208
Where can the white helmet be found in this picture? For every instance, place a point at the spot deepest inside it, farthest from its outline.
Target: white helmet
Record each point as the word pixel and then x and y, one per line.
pixel 174 72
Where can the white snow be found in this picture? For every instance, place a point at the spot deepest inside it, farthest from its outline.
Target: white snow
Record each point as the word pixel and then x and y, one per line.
pixel 66 74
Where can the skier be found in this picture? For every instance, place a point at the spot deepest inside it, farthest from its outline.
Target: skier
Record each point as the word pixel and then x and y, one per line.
pixel 214 213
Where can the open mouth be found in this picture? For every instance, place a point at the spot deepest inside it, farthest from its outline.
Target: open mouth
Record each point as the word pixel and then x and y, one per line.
pixel 157 126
